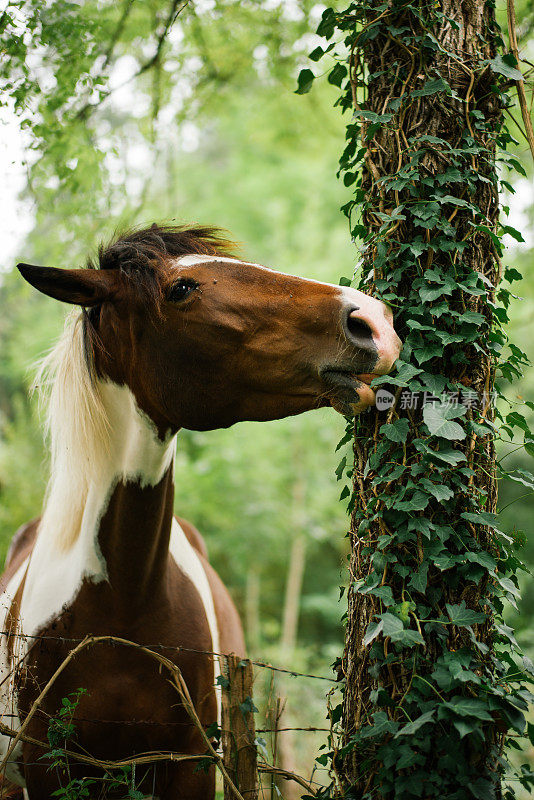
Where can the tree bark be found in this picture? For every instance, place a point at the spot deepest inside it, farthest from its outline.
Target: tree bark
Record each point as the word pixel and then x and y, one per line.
pixel 295 572
pixel 297 556
pixel 397 67
pixel 252 609
pixel 289 790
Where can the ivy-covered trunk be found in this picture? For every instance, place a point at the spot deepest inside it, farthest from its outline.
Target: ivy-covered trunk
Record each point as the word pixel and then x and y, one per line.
pixel 429 675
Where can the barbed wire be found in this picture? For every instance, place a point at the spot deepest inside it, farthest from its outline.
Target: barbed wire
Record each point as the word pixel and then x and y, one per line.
pixel 175 648
pixel 177 681
pixel 76 718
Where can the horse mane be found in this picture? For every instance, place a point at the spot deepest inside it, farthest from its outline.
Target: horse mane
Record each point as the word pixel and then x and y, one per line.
pixel 76 422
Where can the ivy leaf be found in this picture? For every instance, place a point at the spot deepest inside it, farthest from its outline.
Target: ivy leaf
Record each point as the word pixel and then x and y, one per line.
pixel 454 201
pixel 502 66
pixel 396 431
pixel 340 467
pixel 247 706
pixel 305 81
pixel 438 416
pixel 371 116
pixel 374 629
pixel 471 317
pixel 438 490
pixel 483 558
pixel 430 293
pixel 493 236
pixel 481 518
pixel 446 454
pixel 515 717
pixel 407 637
pixel 404 375
pixel 345 492
pixel 529 447
pixel 508 586
pixel 381 725
pixel 391 624
pixel 512 274
pixel 463 729
pixel 468 707
pixel 418 502
pixel 318 53
pixel 337 74
pixel 462 616
pixel 419 579
pixel 327 24
pixel 417 246
pixel 522 476
pixel 517 421
pixel 413 727
pixel 384 593
pixel 513 232
pixel 429 351
pixel 432 87
pixel 423 525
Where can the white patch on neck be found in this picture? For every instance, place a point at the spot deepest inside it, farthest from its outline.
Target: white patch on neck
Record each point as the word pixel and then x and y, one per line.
pixel 187 558
pixel 135 453
pixel 55 574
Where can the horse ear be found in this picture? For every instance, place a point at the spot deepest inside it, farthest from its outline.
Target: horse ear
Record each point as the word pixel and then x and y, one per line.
pixel 83 287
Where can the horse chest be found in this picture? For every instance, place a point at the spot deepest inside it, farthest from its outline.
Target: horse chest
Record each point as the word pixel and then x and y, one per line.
pixel 129 705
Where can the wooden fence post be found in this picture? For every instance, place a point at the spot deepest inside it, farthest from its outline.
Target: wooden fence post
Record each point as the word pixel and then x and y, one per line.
pixel 238 729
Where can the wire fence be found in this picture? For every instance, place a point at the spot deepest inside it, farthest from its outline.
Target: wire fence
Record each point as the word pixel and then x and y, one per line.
pixel 176 649
pixel 239 771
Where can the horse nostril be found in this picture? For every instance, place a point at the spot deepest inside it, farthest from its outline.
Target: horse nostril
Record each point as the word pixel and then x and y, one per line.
pixel 359 330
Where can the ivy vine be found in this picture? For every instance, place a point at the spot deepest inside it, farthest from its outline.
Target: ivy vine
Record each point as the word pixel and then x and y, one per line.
pixel 436 687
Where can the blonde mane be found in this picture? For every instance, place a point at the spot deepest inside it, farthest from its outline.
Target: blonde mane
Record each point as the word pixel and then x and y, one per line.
pixel 77 430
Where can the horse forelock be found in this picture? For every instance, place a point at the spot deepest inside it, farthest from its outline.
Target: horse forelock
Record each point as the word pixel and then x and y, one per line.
pixel 140 252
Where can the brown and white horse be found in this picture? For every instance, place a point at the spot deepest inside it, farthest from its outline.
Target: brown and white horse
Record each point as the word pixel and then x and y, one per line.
pixel 174 333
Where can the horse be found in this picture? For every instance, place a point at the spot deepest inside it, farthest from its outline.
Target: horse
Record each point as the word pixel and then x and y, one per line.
pixel 171 331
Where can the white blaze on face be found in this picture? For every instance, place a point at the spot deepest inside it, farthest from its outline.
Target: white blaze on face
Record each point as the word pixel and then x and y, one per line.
pixel 376 314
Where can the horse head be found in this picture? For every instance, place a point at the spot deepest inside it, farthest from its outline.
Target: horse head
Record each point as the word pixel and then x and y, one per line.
pixel 205 340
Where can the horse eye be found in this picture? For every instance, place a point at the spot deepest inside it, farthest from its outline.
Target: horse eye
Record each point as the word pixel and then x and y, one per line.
pixel 181 289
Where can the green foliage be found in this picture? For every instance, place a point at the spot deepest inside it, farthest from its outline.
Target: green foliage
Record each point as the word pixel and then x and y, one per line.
pixel 61 734
pixel 465 686
pixel 61 728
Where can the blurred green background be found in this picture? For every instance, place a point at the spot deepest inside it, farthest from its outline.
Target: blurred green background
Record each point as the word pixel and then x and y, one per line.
pixel 217 135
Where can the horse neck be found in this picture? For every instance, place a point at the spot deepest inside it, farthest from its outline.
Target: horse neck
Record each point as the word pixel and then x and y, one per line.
pixel 129 507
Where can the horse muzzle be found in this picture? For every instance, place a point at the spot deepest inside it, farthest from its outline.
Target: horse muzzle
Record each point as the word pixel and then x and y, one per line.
pixel 349 393
pixel 370 348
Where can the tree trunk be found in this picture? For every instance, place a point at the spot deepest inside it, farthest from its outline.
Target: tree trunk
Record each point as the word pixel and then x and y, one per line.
pixel 427 128
pixel 252 609
pixel 290 790
pixel 295 572
pixel 297 556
